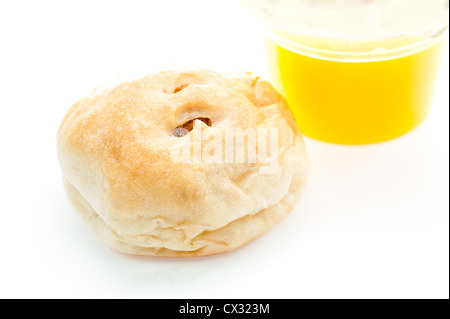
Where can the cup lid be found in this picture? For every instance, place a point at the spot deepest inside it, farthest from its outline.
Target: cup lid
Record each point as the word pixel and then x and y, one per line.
pixel 354 19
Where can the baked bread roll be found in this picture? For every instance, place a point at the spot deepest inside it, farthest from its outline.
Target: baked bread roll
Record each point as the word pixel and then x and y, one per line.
pixel 116 147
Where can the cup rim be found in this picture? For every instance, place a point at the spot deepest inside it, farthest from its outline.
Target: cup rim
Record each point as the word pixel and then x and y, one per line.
pixel 362 56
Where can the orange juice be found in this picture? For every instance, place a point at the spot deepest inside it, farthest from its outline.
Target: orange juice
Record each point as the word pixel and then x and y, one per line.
pixel 358 92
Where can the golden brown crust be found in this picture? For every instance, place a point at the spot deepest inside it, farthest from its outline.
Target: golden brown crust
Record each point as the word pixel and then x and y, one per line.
pixel 114 148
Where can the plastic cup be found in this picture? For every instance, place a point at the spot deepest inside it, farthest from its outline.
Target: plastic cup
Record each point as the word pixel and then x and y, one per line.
pixel 355 71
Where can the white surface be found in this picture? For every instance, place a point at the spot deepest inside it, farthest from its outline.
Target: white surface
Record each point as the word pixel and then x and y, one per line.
pixel 360 19
pixel 372 223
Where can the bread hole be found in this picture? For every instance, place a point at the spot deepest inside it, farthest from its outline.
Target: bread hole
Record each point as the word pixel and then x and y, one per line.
pixel 184 129
pixel 180 88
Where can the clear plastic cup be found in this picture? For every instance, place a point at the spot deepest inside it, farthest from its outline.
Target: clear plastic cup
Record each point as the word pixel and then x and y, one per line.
pixel 355 71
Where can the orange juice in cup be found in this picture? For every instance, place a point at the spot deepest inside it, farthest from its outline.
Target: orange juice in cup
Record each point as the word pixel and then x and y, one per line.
pixel 355 71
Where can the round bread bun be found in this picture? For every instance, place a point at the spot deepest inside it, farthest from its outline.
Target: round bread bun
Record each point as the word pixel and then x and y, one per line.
pixel 115 146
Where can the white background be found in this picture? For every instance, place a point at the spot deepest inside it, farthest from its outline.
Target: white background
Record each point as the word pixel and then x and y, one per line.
pixel 373 222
